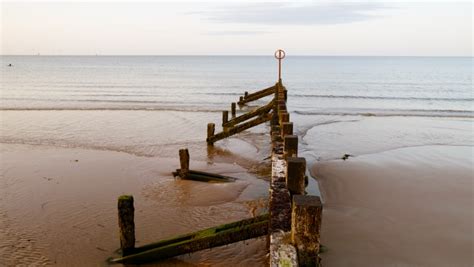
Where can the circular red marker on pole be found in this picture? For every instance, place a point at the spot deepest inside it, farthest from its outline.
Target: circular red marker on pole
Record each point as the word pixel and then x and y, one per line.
pixel 280 54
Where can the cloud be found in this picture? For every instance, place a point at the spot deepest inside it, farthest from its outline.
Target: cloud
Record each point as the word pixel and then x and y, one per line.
pixel 291 14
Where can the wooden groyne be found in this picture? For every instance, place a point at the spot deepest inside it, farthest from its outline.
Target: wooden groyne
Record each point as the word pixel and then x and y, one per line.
pixel 293 221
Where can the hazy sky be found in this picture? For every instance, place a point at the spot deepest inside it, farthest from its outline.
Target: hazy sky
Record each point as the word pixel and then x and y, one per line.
pixel 237 28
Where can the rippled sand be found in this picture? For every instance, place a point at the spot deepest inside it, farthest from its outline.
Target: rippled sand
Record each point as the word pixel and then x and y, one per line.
pixel 405 207
pixel 58 206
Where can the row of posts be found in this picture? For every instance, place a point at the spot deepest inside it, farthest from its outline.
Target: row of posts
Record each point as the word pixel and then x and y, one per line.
pixel 225 113
pixel 306 211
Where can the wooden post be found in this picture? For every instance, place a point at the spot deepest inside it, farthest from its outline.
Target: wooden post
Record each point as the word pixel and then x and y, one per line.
pixel 295 175
pixel 291 146
pixel 276 137
pixel 281 108
pixel 287 128
pixel 246 94
pixel 285 93
pixel 225 117
pixel 232 108
pixel 241 100
pixel 285 117
pixel 184 162
pixel 276 128
pixel 306 214
pixel 126 223
pixel 210 132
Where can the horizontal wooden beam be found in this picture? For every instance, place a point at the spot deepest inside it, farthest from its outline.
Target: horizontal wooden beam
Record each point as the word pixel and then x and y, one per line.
pixel 239 128
pixel 249 115
pixel 204 239
pixel 257 95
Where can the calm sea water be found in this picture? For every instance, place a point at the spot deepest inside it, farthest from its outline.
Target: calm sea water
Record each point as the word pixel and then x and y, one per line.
pixel 426 86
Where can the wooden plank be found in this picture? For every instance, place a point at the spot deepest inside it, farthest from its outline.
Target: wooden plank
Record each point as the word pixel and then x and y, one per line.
pixel 247 95
pixel 249 115
pixel 239 128
pixel 257 95
pixel 204 239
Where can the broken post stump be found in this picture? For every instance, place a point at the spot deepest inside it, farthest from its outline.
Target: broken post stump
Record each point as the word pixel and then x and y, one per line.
pixel 126 223
pixel 306 216
pixel 246 94
pixel 232 108
pixel 211 127
pixel 184 162
pixel 291 146
pixel 287 128
pixel 295 175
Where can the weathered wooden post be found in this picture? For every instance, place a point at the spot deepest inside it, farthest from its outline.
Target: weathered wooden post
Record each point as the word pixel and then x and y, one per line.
pixel 291 146
pixel 276 128
pixel 285 116
pixel 232 108
pixel 306 214
pixel 225 117
pixel 295 175
pixel 241 100
pixel 281 108
pixel 287 128
pixel 276 136
pixel 246 94
pixel 184 162
pixel 126 223
pixel 210 131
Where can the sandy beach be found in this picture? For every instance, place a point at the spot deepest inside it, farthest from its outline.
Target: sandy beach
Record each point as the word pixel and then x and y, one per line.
pixel 404 207
pixel 58 206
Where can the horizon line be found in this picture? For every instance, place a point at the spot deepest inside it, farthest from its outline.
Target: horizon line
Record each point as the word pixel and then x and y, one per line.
pixel 222 55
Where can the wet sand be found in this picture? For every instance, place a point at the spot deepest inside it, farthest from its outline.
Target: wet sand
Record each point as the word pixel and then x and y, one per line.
pixel 404 207
pixel 58 206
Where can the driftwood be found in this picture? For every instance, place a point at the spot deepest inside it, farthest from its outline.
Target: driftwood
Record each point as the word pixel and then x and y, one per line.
pixel 204 239
pixel 238 128
pixel 203 176
pixel 257 95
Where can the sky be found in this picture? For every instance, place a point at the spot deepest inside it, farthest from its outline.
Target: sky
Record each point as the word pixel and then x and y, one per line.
pixel 370 28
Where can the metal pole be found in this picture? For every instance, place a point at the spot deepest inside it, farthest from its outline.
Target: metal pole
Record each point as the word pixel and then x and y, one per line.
pixel 279 54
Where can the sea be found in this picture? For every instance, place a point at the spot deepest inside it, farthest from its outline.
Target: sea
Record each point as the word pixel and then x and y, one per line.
pixel 143 109
pixel 92 88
